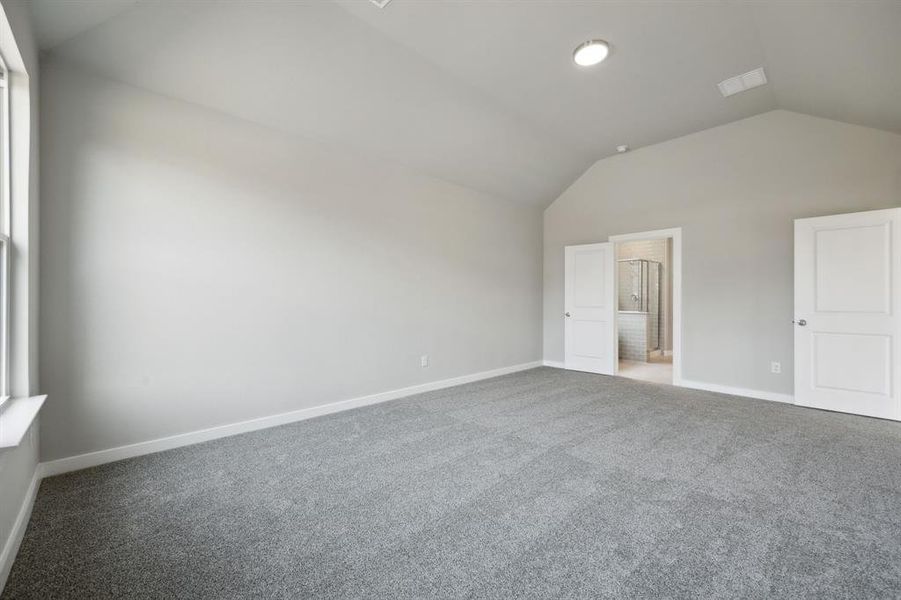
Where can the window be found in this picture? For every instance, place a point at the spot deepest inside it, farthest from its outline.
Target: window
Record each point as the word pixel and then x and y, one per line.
pixel 5 219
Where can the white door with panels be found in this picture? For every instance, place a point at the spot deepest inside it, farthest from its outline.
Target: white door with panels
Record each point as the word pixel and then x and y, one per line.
pixel 847 305
pixel 589 308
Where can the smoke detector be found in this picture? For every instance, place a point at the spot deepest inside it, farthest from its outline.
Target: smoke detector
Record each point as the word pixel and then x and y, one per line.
pixel 743 82
pixel 622 148
pixel 380 3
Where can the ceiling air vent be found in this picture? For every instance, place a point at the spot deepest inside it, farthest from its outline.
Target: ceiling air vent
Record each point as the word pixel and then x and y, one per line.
pixel 740 83
pixel 380 3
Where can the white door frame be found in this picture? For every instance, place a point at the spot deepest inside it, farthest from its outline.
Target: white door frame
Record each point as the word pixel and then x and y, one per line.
pixel 676 234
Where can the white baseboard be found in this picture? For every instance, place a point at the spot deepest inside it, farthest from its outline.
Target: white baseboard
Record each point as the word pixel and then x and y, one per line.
pixel 736 391
pixel 553 363
pixel 92 459
pixel 8 555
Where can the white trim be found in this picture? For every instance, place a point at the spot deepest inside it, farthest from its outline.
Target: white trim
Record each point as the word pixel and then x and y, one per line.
pixel 22 196
pixel 92 459
pixel 5 151
pixel 11 548
pixel 5 298
pixel 676 234
pixel 554 363
pixel 737 391
pixel 16 418
pixel 6 170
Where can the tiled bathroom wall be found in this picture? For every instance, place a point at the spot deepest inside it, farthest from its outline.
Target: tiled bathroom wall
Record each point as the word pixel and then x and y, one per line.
pixel 633 335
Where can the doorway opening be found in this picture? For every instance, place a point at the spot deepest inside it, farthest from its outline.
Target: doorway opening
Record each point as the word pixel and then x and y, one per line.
pixel 646 306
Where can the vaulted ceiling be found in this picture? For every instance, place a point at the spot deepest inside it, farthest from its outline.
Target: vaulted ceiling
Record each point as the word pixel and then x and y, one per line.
pixel 485 94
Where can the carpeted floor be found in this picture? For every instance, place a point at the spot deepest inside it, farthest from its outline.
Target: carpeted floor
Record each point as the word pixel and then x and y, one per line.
pixel 541 484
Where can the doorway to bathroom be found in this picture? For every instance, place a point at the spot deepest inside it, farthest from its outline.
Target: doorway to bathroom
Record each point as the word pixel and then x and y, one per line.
pixel 648 265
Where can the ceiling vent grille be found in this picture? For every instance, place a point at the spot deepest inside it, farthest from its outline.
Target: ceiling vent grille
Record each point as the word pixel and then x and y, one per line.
pixel 380 3
pixel 741 83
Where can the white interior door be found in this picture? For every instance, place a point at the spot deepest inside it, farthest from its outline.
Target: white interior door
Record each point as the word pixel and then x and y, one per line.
pixel 847 273
pixel 589 304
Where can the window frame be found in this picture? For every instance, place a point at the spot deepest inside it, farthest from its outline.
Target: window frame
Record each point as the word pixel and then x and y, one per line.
pixel 5 229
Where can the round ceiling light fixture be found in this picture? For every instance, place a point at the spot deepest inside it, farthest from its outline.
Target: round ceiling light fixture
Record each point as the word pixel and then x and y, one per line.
pixel 591 53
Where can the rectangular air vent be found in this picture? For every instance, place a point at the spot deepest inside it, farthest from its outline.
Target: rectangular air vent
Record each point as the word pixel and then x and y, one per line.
pixel 740 83
pixel 380 3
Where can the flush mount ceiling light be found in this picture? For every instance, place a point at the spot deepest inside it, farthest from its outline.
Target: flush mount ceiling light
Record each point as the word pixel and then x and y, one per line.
pixel 591 52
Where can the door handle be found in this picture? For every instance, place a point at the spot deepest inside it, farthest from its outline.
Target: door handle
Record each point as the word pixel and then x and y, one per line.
pixel 800 322
pixel 567 315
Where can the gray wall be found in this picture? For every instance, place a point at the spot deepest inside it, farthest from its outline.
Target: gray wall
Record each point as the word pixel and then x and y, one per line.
pixel 199 270
pixel 735 191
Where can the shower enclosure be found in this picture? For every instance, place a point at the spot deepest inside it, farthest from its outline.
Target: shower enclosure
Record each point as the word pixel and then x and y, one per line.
pixel 640 283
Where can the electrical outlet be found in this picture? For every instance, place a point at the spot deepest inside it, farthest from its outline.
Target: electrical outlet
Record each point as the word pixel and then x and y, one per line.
pixel 424 360
pixel 775 367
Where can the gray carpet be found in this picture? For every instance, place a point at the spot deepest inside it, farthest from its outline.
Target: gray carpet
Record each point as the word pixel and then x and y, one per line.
pixel 542 484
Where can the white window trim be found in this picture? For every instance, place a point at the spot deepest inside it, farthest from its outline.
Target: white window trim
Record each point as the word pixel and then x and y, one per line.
pixel 4 319
pixel 5 230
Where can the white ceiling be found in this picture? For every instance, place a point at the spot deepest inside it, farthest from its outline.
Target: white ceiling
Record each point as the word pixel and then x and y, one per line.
pixel 485 94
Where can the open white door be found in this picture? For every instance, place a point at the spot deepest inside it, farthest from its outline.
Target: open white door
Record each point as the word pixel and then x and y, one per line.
pixel 847 304
pixel 589 304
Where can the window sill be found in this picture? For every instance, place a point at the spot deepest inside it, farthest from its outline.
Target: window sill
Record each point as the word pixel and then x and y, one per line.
pixel 16 416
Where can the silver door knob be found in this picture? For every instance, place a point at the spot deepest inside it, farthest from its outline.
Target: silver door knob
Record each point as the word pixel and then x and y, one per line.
pixel 800 322
pixel 567 314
